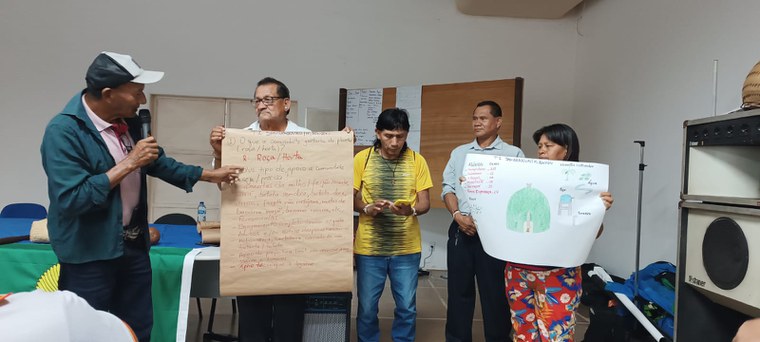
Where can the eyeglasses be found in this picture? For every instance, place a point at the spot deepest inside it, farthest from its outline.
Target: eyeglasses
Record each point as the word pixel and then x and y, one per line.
pixel 269 100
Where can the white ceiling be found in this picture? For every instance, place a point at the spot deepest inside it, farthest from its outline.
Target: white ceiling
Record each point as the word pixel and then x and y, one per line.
pixel 539 9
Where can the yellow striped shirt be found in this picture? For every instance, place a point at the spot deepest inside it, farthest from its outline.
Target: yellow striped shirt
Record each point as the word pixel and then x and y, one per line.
pixel 392 180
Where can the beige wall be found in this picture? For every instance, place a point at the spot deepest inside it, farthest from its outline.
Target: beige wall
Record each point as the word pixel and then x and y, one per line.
pixel 643 68
pixel 221 48
pixel 638 69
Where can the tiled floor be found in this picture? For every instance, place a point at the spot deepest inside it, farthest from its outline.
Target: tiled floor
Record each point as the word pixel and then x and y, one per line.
pixel 431 314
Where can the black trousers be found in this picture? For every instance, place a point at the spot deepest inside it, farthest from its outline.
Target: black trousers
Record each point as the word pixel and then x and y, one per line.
pixel 466 261
pixel 275 318
pixel 121 286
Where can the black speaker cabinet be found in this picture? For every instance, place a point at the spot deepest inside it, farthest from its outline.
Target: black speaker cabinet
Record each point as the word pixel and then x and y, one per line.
pixel 328 317
pixel 719 234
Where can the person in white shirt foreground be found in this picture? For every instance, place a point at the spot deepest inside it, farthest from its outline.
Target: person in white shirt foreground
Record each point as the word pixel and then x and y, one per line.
pixel 58 316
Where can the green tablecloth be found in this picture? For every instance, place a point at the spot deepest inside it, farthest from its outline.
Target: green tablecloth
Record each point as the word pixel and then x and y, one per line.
pixel 22 266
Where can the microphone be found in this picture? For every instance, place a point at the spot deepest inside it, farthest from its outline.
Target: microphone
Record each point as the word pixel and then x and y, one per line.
pixel 144 115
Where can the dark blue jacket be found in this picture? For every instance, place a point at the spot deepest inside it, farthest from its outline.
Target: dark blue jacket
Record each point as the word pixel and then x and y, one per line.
pixel 85 214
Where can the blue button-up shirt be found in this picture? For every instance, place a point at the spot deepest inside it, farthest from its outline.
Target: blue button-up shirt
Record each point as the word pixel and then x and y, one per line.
pixel 454 167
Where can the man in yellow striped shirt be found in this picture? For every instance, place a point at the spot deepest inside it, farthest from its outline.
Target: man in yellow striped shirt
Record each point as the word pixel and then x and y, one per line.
pixel 391 185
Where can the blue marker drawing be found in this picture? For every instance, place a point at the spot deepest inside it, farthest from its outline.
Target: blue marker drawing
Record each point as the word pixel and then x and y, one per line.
pixel 565 205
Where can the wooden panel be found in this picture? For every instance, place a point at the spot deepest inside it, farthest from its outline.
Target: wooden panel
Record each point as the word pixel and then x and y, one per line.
pixel 447 121
pixel 389 98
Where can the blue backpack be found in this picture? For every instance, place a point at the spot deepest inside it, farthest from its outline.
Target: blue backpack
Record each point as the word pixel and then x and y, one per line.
pixel 657 289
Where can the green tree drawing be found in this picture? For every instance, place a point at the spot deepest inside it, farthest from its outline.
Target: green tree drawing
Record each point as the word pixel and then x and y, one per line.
pixel 528 211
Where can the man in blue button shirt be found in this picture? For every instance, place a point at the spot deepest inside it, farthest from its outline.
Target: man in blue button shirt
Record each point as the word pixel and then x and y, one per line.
pixel 466 258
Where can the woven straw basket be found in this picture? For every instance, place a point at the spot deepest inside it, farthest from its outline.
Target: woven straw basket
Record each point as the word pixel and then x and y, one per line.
pixel 751 89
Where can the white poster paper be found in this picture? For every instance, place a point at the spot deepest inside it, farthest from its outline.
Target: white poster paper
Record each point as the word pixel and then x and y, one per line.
pixel 363 106
pixel 410 99
pixel 534 211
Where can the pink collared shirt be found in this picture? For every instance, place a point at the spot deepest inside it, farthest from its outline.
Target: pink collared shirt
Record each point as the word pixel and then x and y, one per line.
pixel 130 185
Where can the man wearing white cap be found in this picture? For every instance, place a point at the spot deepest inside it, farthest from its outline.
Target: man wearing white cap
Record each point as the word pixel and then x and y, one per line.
pixel 97 220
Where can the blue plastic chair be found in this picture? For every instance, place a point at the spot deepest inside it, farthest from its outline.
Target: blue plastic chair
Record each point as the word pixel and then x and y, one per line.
pixel 24 210
pixel 181 219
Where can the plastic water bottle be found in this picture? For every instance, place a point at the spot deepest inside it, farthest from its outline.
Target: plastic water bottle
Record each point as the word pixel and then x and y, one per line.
pixel 201 212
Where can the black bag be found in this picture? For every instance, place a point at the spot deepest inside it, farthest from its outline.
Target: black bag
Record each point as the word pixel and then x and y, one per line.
pixel 609 320
pixel 606 323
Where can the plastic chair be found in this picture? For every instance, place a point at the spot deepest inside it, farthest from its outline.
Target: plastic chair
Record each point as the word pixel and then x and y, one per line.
pixel 24 210
pixel 179 219
pixel 184 219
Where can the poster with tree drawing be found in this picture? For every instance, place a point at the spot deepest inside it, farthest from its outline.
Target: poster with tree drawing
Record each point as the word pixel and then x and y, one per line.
pixel 533 211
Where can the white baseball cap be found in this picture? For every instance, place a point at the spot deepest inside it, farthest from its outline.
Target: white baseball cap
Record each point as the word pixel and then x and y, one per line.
pixel 110 70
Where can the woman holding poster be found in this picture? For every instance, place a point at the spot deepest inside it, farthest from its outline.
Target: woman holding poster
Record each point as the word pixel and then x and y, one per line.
pixel 543 299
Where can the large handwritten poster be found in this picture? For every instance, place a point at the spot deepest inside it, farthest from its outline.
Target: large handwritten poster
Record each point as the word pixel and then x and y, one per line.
pixel 534 211
pixel 287 224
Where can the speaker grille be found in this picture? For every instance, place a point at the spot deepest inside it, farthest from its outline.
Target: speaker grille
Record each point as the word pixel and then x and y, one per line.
pixel 725 253
pixel 323 327
pixel 327 317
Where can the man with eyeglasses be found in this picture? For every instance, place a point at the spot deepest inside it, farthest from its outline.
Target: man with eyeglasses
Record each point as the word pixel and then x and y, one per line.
pixel 272 103
pixel 270 317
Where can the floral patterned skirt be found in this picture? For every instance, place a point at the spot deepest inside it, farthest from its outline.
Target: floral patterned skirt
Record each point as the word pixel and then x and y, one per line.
pixel 543 303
